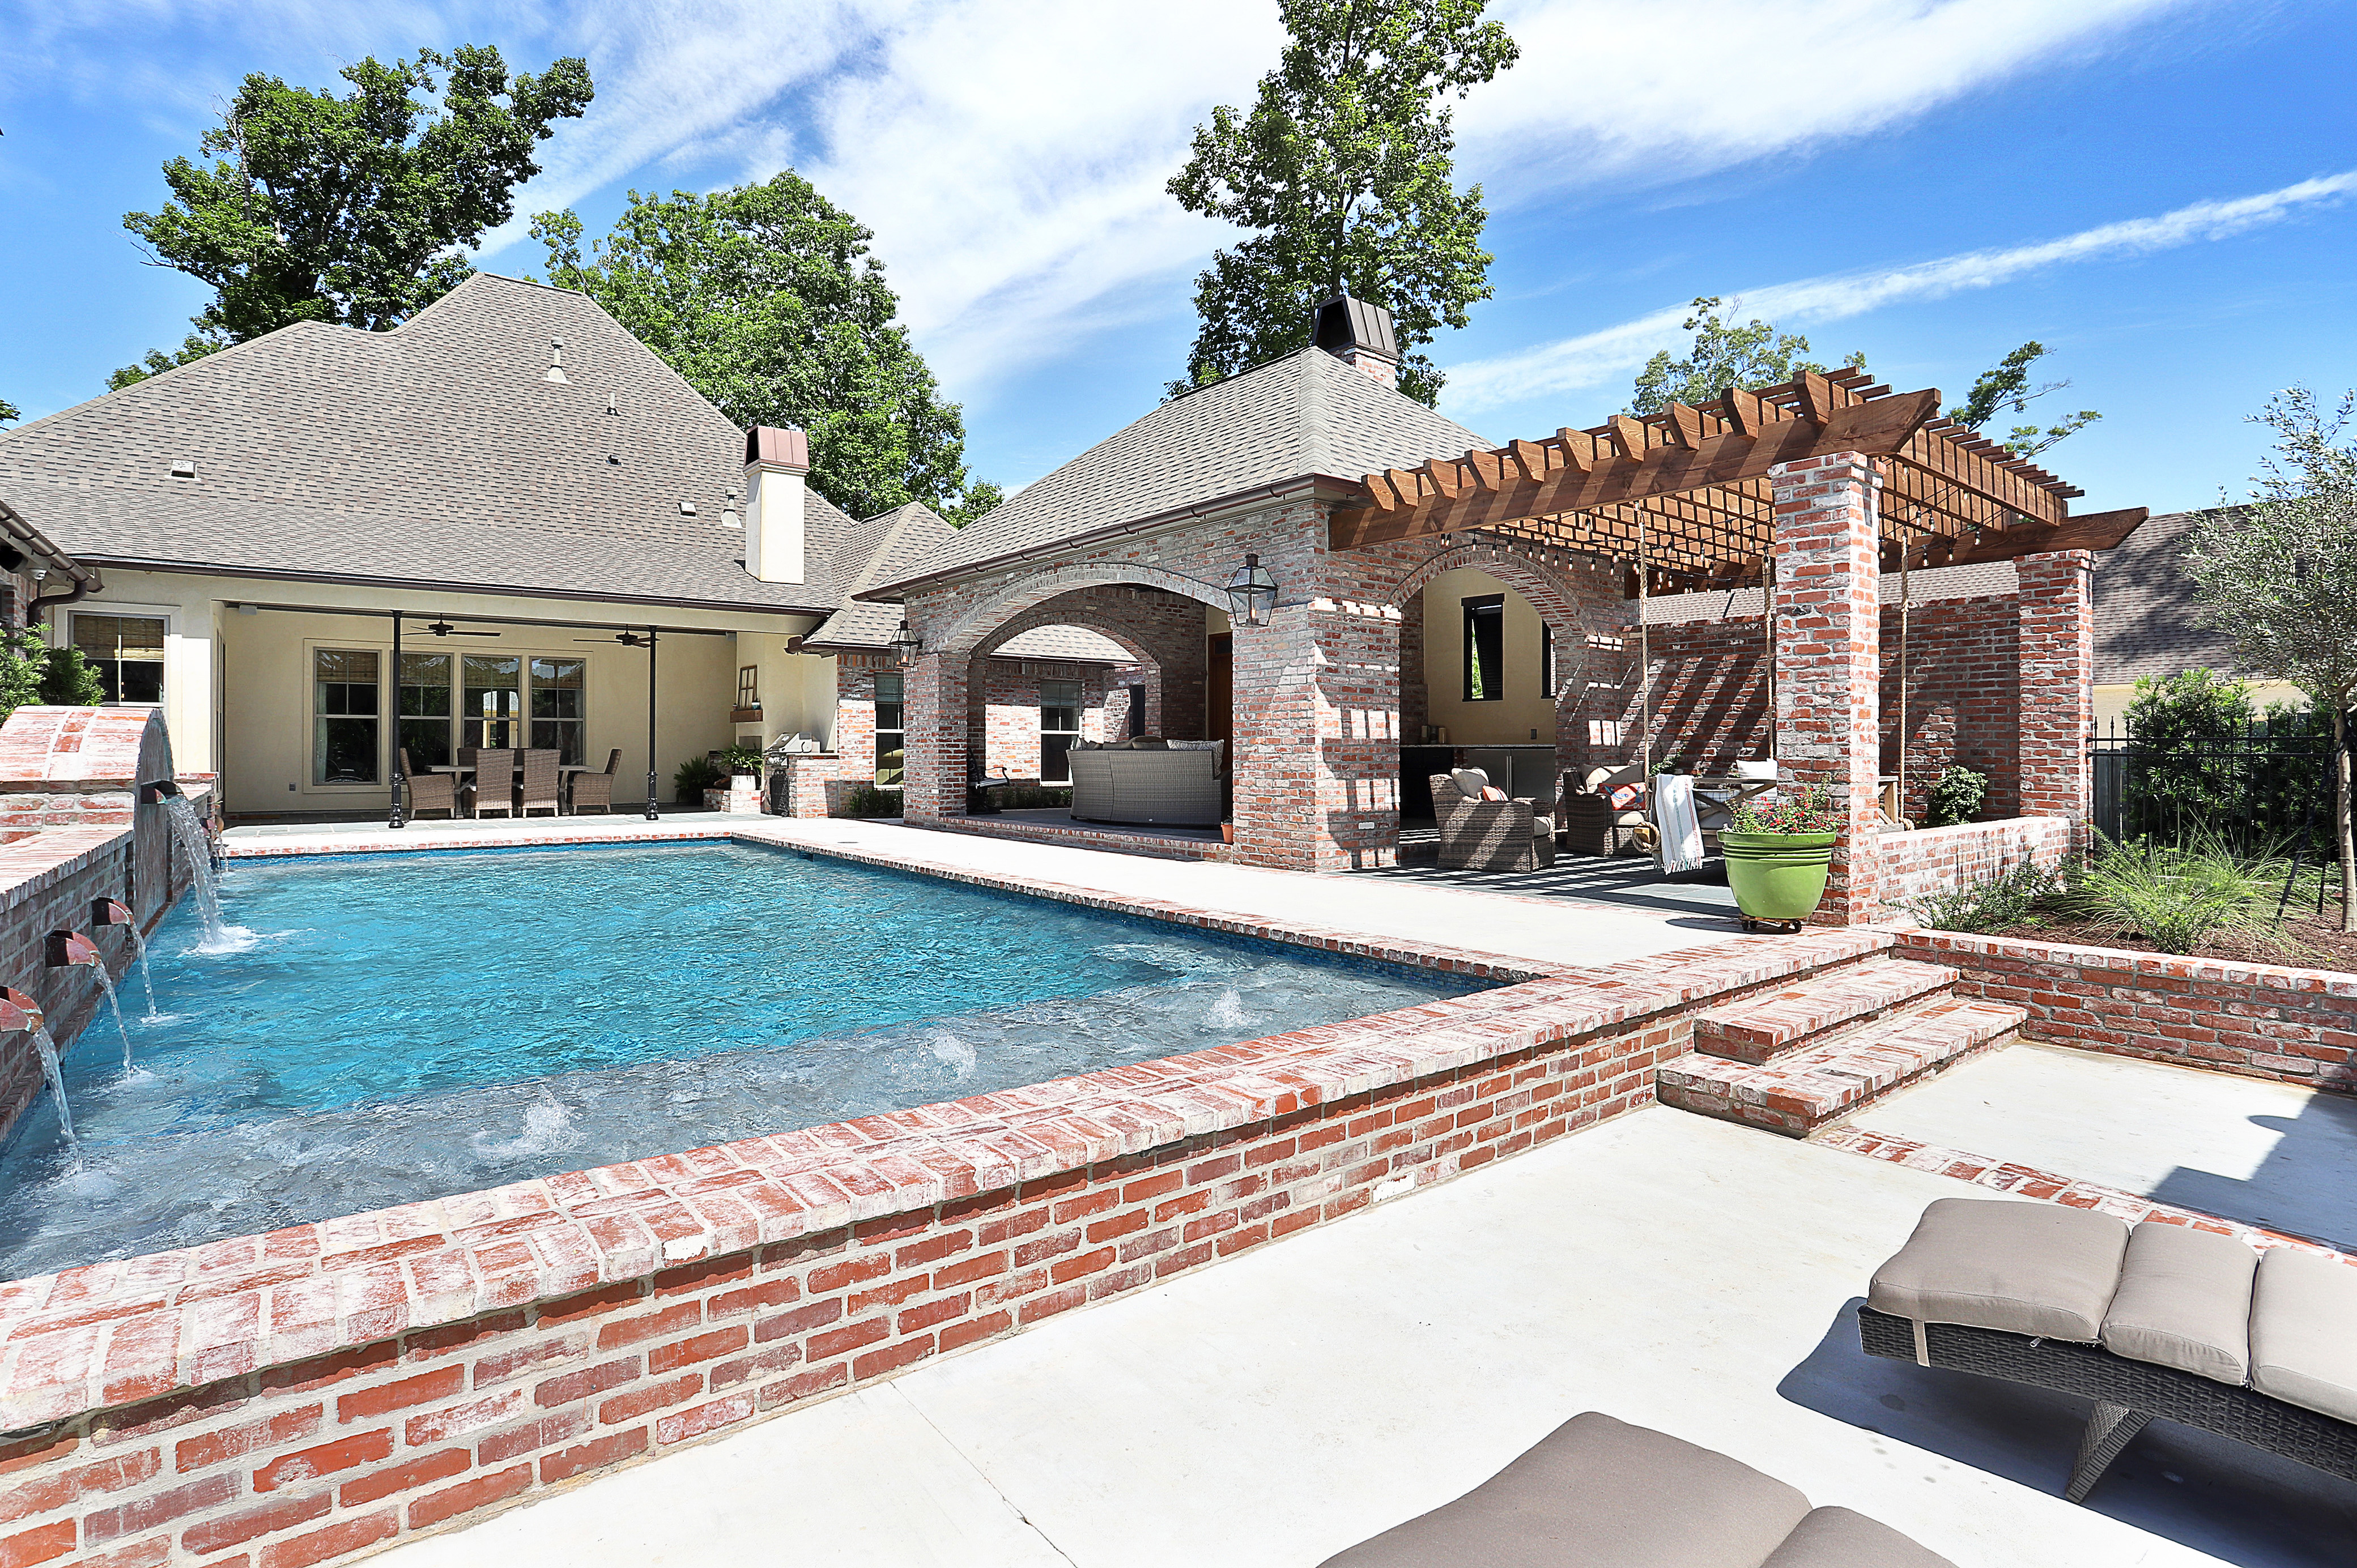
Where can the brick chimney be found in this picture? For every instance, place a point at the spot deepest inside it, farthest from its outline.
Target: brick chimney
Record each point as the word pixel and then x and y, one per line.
pixel 1360 335
pixel 775 464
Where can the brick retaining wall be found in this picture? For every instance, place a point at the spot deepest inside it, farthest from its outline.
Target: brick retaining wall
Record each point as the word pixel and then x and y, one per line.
pixel 1941 860
pixel 304 1396
pixel 2293 1025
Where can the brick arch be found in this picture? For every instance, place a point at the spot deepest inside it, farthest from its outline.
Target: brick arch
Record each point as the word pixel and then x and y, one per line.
pixel 1553 593
pixel 972 624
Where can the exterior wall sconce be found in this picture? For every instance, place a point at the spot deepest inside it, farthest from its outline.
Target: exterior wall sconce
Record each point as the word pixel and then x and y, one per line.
pixel 1252 594
pixel 906 645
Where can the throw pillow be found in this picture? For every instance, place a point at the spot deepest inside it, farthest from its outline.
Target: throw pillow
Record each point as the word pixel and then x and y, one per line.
pixel 1627 797
pixel 1492 792
pixel 1472 780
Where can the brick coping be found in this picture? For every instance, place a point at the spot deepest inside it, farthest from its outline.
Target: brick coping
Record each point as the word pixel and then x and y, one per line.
pixel 2158 966
pixel 115 1332
pixel 2027 1181
pixel 1079 836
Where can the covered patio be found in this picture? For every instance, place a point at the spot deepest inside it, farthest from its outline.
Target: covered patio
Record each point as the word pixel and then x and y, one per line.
pixel 1828 503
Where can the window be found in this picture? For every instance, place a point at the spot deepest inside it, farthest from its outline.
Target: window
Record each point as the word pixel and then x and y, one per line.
pixel 344 714
pixel 489 704
pixel 1059 726
pixel 1485 649
pixel 891 739
pixel 748 686
pixel 556 707
pixel 128 652
pixel 425 719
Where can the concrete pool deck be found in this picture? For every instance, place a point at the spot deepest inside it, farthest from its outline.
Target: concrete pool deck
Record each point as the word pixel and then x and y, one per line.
pixel 1667 1269
pixel 1554 931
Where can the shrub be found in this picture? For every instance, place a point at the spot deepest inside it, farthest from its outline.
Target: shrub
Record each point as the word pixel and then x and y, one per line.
pixel 2180 895
pixel 2009 898
pixel 742 760
pixel 696 774
pixel 1811 813
pixel 68 679
pixel 1954 797
pixel 867 800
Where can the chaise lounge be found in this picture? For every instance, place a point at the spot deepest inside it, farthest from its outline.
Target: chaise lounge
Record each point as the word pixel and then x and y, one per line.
pixel 1599 1493
pixel 2157 1321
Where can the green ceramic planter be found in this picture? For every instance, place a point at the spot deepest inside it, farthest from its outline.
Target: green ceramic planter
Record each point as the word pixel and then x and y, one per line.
pixel 1777 876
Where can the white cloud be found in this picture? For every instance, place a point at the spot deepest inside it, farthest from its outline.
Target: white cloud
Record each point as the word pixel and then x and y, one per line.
pixel 1594 358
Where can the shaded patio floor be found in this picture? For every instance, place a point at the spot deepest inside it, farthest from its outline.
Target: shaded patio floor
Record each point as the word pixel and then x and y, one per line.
pixel 1675 1271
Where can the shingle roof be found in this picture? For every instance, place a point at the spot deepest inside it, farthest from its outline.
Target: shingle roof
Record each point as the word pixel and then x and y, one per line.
pixel 870 553
pixel 1068 642
pixel 1307 413
pixel 436 452
pixel 2145 622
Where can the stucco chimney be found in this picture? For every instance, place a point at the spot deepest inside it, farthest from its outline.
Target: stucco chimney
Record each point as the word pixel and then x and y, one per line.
pixel 1360 335
pixel 775 464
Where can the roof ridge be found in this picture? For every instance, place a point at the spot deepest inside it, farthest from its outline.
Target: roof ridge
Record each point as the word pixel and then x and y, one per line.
pixel 1316 452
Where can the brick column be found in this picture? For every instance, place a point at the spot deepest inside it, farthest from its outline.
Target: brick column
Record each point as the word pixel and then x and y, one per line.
pixel 933 694
pixel 1316 737
pixel 1828 643
pixel 2057 682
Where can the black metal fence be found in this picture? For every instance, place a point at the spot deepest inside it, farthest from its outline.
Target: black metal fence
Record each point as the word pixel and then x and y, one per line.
pixel 2263 790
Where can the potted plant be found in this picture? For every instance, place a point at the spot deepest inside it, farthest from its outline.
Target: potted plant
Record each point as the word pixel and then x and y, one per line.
pixel 1778 856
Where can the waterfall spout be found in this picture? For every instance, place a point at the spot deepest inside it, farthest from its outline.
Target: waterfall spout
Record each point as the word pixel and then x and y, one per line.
pixel 115 912
pixel 20 1015
pixel 196 850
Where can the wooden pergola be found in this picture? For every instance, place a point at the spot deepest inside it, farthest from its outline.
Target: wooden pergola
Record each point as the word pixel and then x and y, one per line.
pixel 1686 490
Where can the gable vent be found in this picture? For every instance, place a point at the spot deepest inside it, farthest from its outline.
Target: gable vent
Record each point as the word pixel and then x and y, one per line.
pixel 184 470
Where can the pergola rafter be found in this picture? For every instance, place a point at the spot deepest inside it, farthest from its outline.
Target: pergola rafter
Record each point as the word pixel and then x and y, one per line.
pixel 1690 485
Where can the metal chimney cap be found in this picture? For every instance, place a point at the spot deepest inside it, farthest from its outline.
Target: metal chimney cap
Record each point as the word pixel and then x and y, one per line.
pixel 1342 325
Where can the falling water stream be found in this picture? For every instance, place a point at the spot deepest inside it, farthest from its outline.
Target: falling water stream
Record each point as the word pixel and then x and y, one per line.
pixel 106 983
pixel 196 850
pixel 146 981
pixel 48 1048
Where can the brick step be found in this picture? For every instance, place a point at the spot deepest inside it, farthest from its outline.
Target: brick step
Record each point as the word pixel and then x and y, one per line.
pixel 1801 1091
pixel 1762 1026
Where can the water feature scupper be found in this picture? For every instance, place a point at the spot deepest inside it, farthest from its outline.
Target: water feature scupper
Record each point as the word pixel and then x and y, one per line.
pixel 196 849
pixel 115 912
pixel 20 1015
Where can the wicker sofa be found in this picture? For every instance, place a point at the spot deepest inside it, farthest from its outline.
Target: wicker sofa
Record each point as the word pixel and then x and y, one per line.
pixel 2157 1321
pixel 1167 783
pixel 1599 1493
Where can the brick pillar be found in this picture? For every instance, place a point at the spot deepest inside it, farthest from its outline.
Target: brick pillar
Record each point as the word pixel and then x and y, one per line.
pixel 1316 739
pixel 2057 682
pixel 934 765
pixel 1828 643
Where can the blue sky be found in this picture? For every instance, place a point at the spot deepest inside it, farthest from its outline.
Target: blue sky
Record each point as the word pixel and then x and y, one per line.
pixel 2160 191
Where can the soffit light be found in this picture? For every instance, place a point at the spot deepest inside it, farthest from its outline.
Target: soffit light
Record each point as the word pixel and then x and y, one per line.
pixel 1252 594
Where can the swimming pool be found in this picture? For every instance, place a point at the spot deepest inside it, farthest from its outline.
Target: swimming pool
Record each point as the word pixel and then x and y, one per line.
pixel 409 1026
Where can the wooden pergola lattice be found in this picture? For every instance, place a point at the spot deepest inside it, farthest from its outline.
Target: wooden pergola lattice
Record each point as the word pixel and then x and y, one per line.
pixel 1688 490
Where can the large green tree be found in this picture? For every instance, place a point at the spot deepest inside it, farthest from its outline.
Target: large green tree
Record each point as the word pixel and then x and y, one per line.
pixel 1341 171
pixel 2006 384
pixel 2279 576
pixel 355 208
pixel 9 413
pixel 1725 353
pixel 766 299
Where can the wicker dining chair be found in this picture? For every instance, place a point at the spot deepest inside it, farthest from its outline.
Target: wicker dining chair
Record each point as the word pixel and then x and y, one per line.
pixel 429 792
pixel 538 791
pixel 494 784
pixel 596 789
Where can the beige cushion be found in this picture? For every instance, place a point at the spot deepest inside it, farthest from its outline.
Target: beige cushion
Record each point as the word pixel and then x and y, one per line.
pixel 1472 780
pixel 2304 1332
pixel 1599 1493
pixel 2028 1268
pixel 1761 771
pixel 2184 1301
pixel 1836 1537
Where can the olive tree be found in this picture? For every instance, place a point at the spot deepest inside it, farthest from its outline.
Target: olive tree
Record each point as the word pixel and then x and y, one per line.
pixel 2279 576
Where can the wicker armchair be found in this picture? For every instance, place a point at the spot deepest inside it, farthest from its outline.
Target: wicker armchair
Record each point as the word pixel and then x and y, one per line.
pixel 494 785
pixel 596 789
pixel 538 792
pixel 1488 836
pixel 429 792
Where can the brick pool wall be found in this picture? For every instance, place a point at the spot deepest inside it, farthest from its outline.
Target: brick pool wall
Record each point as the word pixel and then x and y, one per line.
pixel 304 1396
pixel 2256 1020
pixel 48 883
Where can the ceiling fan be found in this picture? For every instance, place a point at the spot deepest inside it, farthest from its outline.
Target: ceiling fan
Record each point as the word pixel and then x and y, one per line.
pixel 444 629
pixel 626 638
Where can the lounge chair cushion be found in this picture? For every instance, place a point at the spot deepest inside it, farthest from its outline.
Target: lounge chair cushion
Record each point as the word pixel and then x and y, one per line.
pixel 2184 1301
pixel 1470 781
pixel 2304 1332
pixel 1599 1493
pixel 2038 1269
pixel 1836 1537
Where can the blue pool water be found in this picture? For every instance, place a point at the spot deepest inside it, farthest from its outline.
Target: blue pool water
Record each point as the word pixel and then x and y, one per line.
pixel 402 1027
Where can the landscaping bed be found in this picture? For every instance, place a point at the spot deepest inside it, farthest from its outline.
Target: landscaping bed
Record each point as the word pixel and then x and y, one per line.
pixel 2306 941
